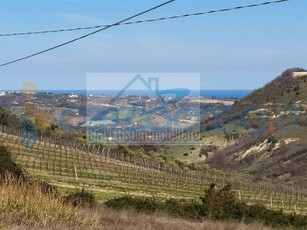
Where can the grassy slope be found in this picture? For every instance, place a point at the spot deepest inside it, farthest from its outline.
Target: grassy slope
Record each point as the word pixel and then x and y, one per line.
pixel 191 153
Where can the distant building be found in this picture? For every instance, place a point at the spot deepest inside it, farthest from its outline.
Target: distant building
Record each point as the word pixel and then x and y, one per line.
pixel 98 123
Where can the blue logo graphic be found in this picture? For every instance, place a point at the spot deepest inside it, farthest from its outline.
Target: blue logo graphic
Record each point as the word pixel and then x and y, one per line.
pixel 28 132
pixel 143 119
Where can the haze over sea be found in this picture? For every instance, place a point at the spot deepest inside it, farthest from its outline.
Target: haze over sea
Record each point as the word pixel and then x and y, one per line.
pixel 204 93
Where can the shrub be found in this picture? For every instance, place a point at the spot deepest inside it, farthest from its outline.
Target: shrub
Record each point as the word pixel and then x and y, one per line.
pixel 141 204
pixel 81 199
pixel 45 188
pixel 8 118
pixel 8 165
pixel 217 204
pixel 296 88
pixel 183 208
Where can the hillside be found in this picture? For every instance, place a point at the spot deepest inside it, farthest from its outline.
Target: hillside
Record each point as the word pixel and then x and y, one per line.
pixel 142 182
pixel 286 86
pixel 274 145
pixel 21 208
pixel 263 135
pixel 110 174
pixel 279 104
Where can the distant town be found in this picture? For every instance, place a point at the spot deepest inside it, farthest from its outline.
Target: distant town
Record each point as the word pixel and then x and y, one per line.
pixel 98 113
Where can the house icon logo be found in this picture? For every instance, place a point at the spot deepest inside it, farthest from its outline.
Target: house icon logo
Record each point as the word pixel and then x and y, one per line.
pixel 168 97
pixel 152 84
pixel 146 105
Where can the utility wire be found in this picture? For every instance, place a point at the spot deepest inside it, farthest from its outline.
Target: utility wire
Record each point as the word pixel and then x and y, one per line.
pixel 144 21
pixel 89 34
pixel 123 22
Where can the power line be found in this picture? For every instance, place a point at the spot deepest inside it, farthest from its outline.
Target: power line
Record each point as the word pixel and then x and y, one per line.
pixel 89 34
pixel 144 21
pixel 123 22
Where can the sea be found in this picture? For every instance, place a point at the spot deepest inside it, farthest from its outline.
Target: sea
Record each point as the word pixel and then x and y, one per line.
pixel 219 94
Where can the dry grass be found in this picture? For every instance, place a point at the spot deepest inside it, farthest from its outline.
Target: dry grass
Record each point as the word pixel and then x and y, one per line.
pixel 129 220
pixel 23 202
pixel 24 206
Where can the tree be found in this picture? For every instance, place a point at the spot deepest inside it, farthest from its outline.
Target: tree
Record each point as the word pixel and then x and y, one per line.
pixel 218 201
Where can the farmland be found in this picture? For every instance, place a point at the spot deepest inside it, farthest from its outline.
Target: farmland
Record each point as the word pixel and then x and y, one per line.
pixel 108 173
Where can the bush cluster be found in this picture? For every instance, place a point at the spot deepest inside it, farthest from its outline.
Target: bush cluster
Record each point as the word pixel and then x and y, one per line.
pixel 217 204
pixel 7 165
pixel 81 199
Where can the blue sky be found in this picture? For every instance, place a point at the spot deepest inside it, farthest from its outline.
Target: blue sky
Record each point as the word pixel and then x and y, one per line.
pixel 234 50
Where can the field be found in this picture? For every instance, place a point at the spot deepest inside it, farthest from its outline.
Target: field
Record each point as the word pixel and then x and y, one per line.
pixel 190 153
pixel 21 208
pixel 110 174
